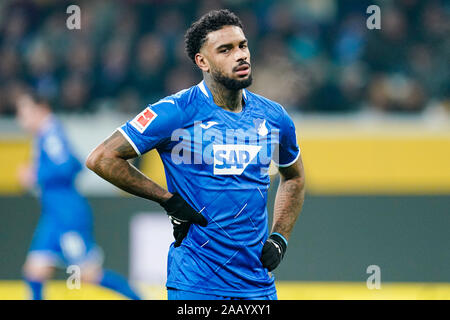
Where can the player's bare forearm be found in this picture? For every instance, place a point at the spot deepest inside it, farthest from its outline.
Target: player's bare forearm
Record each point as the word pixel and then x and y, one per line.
pixel 109 161
pixel 289 198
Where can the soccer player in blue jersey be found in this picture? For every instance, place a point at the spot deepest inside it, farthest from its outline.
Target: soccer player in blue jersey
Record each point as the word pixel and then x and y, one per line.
pixel 64 235
pixel 216 140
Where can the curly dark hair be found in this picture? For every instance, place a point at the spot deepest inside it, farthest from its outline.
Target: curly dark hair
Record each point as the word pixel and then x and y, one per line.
pixel 214 20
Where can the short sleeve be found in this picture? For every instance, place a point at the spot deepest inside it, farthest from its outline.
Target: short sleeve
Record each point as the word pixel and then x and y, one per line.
pixel 288 149
pixel 153 126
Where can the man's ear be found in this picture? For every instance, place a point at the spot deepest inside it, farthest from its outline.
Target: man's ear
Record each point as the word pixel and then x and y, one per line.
pixel 201 62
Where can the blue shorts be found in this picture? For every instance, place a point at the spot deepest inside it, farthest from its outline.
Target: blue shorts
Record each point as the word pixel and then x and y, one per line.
pixel 175 294
pixel 60 246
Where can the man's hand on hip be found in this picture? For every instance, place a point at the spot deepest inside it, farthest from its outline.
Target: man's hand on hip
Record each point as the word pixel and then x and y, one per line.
pixel 182 215
pixel 273 251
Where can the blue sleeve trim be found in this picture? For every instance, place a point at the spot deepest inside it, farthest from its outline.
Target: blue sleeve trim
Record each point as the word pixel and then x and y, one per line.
pixel 281 236
pixel 290 163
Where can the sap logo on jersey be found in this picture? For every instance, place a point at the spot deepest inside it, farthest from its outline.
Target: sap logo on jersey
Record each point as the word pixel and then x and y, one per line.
pixel 143 119
pixel 232 159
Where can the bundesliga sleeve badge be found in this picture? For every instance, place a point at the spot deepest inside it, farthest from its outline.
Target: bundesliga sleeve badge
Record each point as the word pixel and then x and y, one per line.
pixel 143 119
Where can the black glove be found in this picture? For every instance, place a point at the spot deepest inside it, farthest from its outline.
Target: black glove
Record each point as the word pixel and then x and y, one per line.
pixel 182 215
pixel 273 251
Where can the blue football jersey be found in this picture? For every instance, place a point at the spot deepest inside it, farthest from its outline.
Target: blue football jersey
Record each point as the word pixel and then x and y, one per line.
pixel 218 161
pixel 56 170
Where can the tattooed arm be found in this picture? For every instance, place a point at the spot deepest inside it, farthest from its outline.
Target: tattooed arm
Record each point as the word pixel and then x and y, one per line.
pixel 289 198
pixel 109 161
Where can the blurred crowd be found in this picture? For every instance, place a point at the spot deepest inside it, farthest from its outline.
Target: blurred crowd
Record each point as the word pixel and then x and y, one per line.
pixel 309 55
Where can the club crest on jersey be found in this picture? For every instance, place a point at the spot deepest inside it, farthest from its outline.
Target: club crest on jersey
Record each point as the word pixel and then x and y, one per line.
pixel 143 119
pixel 232 159
pixel 261 127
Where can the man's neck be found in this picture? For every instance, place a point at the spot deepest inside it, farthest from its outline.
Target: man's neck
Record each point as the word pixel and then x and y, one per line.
pixel 230 100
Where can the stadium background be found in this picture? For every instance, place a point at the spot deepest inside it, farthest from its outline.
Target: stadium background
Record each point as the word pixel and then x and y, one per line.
pixel 372 111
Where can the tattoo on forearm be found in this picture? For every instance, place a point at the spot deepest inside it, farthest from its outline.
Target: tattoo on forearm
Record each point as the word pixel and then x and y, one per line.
pixel 118 171
pixel 117 143
pixel 288 204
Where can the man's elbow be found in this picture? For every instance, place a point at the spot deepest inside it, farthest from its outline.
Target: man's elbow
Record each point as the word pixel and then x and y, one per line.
pixel 94 158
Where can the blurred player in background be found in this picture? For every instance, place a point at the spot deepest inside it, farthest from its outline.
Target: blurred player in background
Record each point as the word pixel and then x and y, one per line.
pixel 212 139
pixel 64 235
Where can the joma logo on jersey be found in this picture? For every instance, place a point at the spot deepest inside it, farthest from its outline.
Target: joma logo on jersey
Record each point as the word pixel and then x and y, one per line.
pixel 232 159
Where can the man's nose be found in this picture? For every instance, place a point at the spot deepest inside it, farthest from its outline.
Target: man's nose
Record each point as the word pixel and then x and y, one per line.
pixel 241 55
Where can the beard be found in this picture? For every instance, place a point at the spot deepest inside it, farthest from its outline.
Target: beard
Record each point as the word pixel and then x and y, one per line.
pixel 229 83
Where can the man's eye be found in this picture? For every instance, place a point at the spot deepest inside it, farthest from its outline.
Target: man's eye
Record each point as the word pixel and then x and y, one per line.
pixel 224 50
pixel 243 46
